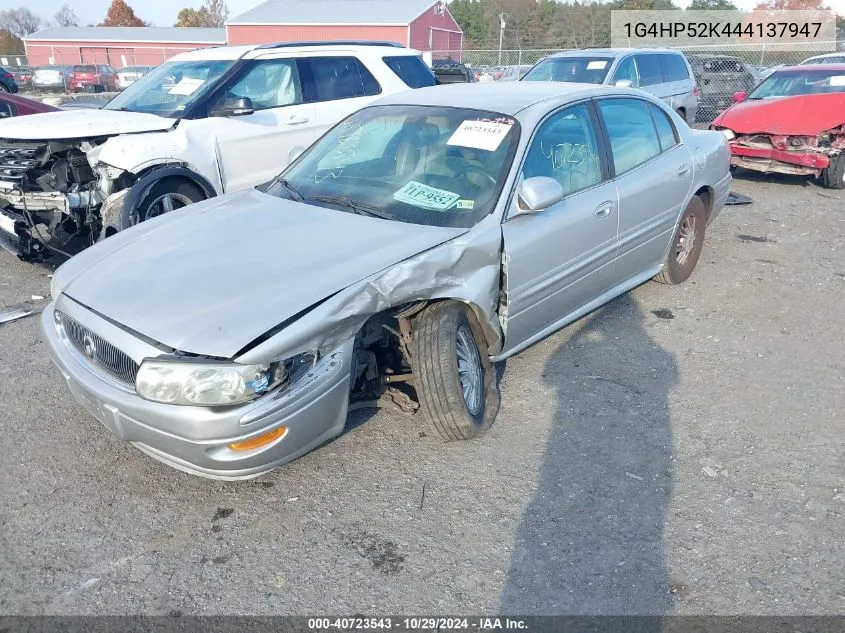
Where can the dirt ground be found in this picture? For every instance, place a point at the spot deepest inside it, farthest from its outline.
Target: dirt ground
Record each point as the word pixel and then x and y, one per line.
pixel 680 451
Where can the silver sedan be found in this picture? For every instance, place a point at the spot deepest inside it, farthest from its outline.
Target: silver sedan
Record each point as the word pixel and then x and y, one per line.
pixel 418 242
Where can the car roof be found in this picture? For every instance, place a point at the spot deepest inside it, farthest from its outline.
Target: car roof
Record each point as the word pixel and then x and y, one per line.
pixel 493 97
pixel 253 51
pixel 610 52
pixel 811 67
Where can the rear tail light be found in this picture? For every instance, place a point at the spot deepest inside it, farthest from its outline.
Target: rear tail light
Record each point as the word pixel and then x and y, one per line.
pixel 696 91
pixel 8 76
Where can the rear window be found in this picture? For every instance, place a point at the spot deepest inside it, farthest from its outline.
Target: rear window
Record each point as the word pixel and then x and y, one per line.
pixel 588 70
pixel 340 78
pixel 674 68
pixel 84 69
pixel 722 65
pixel 413 71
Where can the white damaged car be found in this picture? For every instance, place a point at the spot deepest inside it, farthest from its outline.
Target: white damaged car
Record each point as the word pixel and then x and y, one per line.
pixel 204 123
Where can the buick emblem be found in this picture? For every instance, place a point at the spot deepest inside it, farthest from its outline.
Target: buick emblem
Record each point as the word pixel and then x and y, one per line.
pixel 89 347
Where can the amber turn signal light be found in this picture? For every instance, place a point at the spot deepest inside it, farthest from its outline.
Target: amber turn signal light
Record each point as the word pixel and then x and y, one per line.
pixel 259 440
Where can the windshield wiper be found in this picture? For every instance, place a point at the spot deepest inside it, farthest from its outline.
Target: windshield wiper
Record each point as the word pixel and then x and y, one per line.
pixel 361 208
pixel 298 197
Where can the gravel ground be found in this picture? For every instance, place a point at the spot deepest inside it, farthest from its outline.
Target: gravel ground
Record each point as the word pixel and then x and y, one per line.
pixel 678 451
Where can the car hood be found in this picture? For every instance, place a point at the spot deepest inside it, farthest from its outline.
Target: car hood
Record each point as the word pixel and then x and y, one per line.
pixel 81 123
pixel 806 115
pixel 212 277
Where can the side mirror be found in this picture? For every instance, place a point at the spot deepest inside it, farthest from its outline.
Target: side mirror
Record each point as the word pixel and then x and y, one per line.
pixel 624 83
pixel 740 96
pixel 238 106
pixel 536 194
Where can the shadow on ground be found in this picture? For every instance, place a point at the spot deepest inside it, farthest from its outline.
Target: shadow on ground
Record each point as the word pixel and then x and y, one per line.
pixel 591 539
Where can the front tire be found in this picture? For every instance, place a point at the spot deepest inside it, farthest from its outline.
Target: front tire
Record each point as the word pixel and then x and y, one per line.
pixel 169 194
pixel 454 378
pixel 834 176
pixel 686 245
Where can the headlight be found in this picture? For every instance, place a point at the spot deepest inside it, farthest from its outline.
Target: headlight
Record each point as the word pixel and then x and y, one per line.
pixel 200 383
pixel 210 384
pixel 728 134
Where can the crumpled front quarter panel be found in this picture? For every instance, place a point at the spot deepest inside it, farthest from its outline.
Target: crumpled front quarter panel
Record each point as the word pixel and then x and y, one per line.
pixel 136 152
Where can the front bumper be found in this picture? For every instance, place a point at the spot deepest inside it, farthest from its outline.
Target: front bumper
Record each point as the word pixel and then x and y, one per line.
pixel 196 439
pixel 770 159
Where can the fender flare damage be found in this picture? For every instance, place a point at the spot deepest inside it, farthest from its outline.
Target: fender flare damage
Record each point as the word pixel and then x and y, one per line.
pixel 117 209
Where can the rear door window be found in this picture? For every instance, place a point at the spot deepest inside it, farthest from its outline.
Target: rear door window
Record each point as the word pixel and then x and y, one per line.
pixel 665 129
pixel 412 70
pixel 332 78
pixel 674 68
pixel 649 69
pixel 631 131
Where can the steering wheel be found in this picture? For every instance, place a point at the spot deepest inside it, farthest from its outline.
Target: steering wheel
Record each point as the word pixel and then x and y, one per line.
pixel 477 170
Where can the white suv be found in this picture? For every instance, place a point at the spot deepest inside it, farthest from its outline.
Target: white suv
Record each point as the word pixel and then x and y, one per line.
pixel 203 123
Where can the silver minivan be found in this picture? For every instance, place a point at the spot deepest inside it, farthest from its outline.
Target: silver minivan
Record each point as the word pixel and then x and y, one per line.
pixel 663 72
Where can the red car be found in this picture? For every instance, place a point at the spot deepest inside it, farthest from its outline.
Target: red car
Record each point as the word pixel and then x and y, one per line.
pixel 13 105
pixel 93 77
pixel 792 123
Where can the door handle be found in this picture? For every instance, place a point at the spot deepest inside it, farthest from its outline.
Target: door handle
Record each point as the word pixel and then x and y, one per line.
pixel 297 119
pixel 683 170
pixel 604 210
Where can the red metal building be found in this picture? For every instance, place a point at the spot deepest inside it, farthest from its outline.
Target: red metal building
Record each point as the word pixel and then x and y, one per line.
pixel 425 25
pixel 117 46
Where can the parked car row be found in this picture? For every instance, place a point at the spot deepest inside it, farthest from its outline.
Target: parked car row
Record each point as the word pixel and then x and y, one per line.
pixel 64 78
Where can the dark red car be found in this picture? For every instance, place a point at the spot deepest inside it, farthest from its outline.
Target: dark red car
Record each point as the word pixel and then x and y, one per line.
pixel 92 77
pixel 13 105
pixel 792 123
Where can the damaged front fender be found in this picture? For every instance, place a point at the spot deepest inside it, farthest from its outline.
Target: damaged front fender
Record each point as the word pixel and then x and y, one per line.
pixel 465 269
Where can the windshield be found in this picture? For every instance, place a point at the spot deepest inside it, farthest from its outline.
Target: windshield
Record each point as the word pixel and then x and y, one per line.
pixel 586 70
pixel 437 166
pixel 168 90
pixel 793 84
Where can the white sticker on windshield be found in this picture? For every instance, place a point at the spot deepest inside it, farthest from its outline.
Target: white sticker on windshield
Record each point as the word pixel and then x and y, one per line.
pixel 837 80
pixel 186 86
pixel 596 65
pixel 480 135
pixel 420 195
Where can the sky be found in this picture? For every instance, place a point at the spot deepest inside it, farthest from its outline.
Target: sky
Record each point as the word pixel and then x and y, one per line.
pixel 163 12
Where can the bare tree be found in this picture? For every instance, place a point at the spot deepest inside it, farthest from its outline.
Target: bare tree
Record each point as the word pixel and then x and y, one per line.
pixel 65 17
pixel 19 22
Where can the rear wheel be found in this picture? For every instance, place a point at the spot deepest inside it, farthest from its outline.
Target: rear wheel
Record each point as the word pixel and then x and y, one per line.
pixel 834 176
pixel 686 245
pixel 4 88
pixel 454 378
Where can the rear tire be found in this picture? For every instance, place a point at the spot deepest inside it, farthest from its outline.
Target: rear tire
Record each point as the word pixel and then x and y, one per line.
pixel 686 245
pixel 454 378
pixel 834 176
pixel 4 88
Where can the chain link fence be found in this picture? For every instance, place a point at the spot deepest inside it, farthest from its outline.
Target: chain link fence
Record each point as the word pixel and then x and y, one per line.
pixel 719 71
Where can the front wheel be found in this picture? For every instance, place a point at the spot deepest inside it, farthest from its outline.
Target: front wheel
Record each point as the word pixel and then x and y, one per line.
pixel 169 194
pixel 455 380
pixel 686 245
pixel 834 176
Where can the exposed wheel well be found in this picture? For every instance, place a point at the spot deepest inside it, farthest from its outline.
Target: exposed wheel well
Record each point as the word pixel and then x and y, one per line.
pixel 706 195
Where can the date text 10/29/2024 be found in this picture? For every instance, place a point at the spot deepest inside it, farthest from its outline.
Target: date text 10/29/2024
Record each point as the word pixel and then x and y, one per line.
pixel 358 623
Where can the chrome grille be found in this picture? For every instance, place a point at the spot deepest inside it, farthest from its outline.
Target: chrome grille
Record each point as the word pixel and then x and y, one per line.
pixel 98 352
